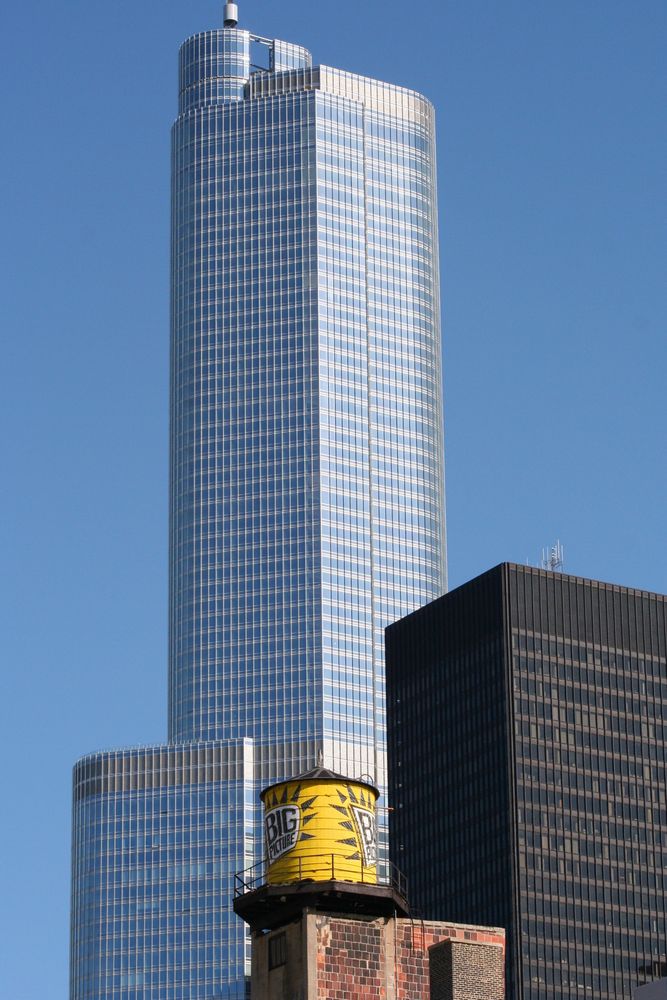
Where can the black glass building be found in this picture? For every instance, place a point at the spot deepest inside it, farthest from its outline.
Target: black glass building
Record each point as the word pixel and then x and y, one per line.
pixel 527 724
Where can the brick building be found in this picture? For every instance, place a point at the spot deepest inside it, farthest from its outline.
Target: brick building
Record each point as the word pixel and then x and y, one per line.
pixel 325 923
pixel 328 956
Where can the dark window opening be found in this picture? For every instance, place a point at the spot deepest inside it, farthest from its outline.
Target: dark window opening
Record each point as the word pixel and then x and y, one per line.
pixel 277 950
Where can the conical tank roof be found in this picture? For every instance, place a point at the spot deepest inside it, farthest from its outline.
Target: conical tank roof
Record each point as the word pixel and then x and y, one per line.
pixel 320 773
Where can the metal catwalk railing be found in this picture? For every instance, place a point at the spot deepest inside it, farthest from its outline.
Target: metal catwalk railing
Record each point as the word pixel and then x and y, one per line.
pixel 320 868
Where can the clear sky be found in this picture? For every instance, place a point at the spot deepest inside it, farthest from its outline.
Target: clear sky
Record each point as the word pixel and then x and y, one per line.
pixel 552 160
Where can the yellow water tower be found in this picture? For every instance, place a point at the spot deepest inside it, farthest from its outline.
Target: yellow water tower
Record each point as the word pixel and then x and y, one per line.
pixel 325 922
pixel 320 826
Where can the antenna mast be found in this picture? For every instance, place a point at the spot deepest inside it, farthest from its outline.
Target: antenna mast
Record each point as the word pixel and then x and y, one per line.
pixel 553 558
pixel 231 15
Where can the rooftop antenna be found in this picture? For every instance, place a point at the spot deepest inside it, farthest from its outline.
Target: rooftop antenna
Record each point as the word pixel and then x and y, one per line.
pixel 553 558
pixel 231 15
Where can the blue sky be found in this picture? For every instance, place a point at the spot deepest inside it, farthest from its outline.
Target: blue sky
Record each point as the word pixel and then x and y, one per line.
pixel 552 158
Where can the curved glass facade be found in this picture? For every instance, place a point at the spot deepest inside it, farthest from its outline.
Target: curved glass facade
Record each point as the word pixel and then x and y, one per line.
pixel 307 493
pixel 159 833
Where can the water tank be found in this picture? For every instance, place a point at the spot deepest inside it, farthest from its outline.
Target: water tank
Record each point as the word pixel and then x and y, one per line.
pixel 320 826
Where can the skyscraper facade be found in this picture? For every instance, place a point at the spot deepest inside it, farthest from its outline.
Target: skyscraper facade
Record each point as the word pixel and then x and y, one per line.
pixel 527 741
pixel 307 493
pixel 307 497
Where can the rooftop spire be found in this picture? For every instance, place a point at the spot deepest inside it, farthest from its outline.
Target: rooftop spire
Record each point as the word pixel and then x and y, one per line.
pixel 231 15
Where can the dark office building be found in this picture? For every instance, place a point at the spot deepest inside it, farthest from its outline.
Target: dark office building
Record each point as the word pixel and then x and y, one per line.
pixel 527 734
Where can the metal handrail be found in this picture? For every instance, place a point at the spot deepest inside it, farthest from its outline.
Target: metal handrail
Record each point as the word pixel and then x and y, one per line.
pixel 320 868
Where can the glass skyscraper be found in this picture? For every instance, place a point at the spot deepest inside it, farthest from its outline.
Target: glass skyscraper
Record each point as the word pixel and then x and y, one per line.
pixel 307 493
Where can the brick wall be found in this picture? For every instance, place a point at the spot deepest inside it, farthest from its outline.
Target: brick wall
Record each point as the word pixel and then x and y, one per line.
pixel 350 959
pixel 389 960
pixel 467 971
